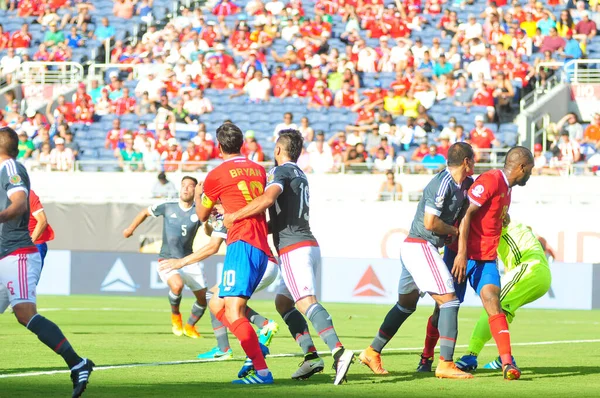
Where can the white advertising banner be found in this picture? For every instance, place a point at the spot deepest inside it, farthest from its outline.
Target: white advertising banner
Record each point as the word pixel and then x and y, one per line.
pixel 375 281
pixel 56 274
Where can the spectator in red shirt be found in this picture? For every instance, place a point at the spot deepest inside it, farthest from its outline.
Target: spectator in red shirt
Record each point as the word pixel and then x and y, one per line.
pixel 4 38
pixel 125 104
pixel 114 136
pixel 192 157
pixel 420 152
pixel 225 8
pixel 442 149
pixel 21 38
pixel 254 151
pixel 483 96
pixel 346 97
pixel 28 8
pixel 481 136
pixel 586 29
pixel 172 156
pixel 321 96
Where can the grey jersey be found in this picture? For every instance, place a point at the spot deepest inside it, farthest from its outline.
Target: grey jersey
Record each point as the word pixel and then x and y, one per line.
pixel 290 213
pixel 442 197
pixel 14 234
pixel 179 228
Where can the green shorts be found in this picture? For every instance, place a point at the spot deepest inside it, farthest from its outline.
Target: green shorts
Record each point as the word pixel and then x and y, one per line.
pixel 524 284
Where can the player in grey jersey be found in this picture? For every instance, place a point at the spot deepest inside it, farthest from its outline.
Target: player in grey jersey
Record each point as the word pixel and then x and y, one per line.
pixel 21 264
pixel 180 224
pixel 423 269
pixel 287 198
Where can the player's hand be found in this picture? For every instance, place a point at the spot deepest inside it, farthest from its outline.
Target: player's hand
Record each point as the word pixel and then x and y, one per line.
pixel 199 189
pixel 170 264
pixel 219 208
pixel 459 270
pixel 506 220
pixel 228 220
pixel 128 232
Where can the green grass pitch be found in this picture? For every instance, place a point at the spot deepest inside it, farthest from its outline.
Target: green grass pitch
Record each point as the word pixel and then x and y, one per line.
pixel 131 330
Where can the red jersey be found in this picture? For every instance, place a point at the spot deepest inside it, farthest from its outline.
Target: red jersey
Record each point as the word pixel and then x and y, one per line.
pixel 21 40
pixel 482 138
pixel 4 39
pixel 34 208
pixel 236 182
pixel 493 195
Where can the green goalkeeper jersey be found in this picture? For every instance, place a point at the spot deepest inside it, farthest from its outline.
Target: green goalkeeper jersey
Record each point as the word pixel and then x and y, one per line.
pixel 518 245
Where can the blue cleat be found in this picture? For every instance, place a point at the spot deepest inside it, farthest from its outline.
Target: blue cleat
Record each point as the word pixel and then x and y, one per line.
pixel 467 363
pixel 496 364
pixel 266 333
pixel 216 353
pixel 254 378
pixel 248 366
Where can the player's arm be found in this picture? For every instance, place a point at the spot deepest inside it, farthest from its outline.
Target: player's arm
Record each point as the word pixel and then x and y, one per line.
pixel 17 207
pixel 434 204
pixel 204 203
pixel 211 248
pixel 137 221
pixel 435 224
pixel 459 269
pixel 257 206
pixel 42 224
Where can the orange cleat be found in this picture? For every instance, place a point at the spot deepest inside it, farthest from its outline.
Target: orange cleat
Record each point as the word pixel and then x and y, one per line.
pixel 448 370
pixel 177 324
pixel 511 372
pixel 190 331
pixel 372 359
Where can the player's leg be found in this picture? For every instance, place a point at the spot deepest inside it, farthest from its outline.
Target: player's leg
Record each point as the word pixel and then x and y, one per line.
pixel 432 335
pixel 267 327
pixel 193 277
pixel 175 282
pixel 485 279
pixel 20 274
pixel 243 269
pixel 223 349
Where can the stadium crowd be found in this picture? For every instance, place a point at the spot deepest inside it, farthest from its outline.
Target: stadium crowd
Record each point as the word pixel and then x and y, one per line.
pixel 389 66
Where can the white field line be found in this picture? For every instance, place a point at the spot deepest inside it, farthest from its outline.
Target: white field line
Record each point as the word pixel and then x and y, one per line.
pixel 191 361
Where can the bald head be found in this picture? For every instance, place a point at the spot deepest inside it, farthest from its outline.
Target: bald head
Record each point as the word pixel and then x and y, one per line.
pixel 518 156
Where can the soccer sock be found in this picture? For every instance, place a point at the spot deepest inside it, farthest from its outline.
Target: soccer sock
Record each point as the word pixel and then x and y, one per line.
pixel 221 317
pixel 481 334
pixel 220 333
pixel 196 314
pixel 257 319
pixel 392 322
pixel 299 330
pixel 500 332
pixel 174 300
pixel 50 334
pixel 448 329
pixel 431 338
pixel 249 341
pixel 321 321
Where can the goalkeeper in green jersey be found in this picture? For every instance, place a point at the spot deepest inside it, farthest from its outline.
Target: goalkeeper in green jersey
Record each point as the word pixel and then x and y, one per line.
pixel 527 278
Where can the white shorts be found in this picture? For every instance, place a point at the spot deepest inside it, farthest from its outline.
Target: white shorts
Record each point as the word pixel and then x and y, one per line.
pixel 298 268
pixel 19 275
pixel 269 276
pixel 192 275
pixel 423 268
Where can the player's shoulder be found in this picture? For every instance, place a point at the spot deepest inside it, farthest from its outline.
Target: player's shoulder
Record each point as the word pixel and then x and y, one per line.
pixel 165 203
pixel 440 183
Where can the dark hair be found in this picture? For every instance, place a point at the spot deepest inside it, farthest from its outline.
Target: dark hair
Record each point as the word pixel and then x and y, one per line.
pixel 290 114
pixel 291 140
pixel 162 176
pixel 518 155
pixel 189 178
pixel 9 142
pixel 230 138
pixel 458 152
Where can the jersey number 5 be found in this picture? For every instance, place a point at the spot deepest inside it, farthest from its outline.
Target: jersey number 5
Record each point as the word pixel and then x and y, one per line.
pixel 256 189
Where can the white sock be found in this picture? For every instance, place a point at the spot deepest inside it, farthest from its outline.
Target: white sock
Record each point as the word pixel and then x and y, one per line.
pixel 263 372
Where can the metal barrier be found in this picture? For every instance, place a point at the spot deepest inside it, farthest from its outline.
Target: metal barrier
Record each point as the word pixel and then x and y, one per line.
pixel 581 71
pixel 97 71
pixel 50 73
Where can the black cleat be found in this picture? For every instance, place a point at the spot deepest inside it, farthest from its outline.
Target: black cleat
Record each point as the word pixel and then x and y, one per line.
pixel 425 364
pixel 81 377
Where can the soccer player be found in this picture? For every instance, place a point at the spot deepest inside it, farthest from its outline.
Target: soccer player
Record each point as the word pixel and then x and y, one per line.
pixel 527 278
pixel 218 234
pixel 20 262
pixel 423 269
pixel 180 224
pixel 287 199
pixel 39 229
pixel 479 234
pixel 235 182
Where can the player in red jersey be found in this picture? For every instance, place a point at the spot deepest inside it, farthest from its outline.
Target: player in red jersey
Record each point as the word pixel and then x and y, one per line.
pixel 479 235
pixel 39 229
pixel 235 183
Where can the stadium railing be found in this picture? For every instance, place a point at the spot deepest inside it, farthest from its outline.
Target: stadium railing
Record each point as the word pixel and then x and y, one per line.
pixel 50 72
pixel 98 71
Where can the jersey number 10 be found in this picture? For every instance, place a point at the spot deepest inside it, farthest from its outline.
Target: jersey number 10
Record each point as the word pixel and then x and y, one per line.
pixel 256 189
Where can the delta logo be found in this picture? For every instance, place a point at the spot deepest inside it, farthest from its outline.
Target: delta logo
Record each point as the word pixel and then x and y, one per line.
pixel 369 285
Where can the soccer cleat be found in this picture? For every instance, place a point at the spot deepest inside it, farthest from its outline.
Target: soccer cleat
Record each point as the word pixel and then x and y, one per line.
pixel 190 331
pixel 467 363
pixel 311 365
pixel 425 364
pixel 341 365
pixel 80 376
pixel 215 353
pixel 177 325
pixel 372 359
pixel 497 364
pixel 449 370
pixel 254 378
pixel 248 366
pixel 511 372
pixel 266 333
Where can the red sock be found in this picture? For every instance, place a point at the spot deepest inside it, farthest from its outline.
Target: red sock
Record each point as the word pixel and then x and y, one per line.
pixel 431 339
pixel 249 341
pixel 499 329
pixel 222 318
